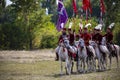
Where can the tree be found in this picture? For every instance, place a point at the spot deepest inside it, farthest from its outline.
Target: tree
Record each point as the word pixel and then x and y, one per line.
pixel 113 15
pixel 22 20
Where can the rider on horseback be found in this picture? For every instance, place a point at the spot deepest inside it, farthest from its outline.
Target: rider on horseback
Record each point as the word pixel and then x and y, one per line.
pixel 64 34
pixel 109 38
pixel 71 36
pixel 97 37
pixel 86 36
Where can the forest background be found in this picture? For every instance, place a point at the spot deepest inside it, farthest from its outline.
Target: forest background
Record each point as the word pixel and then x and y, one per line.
pixel 24 24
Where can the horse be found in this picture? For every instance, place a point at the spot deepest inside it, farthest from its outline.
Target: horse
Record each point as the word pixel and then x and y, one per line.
pixel 82 56
pixel 91 58
pixel 105 53
pixel 98 54
pixel 72 51
pixel 63 56
pixel 114 51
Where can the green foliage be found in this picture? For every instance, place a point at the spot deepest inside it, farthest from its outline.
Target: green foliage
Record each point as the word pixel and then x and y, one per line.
pixel 24 24
pixel 117 33
pixel 49 37
pixel 77 20
pixel 12 37
pixel 21 26
pixel 113 15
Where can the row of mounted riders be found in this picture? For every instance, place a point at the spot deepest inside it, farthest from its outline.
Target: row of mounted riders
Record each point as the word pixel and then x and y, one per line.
pixel 86 48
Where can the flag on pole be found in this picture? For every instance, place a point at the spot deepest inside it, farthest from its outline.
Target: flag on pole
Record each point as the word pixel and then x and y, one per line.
pixel 63 17
pixel 102 6
pixel 87 7
pixel 74 6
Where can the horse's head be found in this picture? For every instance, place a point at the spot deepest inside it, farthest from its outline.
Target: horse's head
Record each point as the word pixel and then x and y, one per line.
pixel 92 43
pixel 66 42
pixel 81 43
pixel 61 43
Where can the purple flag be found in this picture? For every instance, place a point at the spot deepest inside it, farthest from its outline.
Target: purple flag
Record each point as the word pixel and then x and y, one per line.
pixel 63 17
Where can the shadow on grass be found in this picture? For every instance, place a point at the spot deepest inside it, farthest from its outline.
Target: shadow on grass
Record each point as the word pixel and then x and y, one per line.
pixel 60 75
pixel 74 73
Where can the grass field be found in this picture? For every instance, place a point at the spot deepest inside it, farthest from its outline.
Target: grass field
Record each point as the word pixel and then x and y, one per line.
pixel 46 69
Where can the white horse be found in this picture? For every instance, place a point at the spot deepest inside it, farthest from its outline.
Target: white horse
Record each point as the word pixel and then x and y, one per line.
pixel 72 51
pixel 98 54
pixel 82 56
pixel 63 56
pixel 91 58
pixel 105 53
pixel 114 51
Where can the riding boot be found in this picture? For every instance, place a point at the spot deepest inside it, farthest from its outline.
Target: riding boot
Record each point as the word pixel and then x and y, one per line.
pixel 57 57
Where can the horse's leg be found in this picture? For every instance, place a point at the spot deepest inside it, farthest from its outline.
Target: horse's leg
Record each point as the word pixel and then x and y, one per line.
pixel 117 60
pixel 61 67
pixel 110 58
pixel 81 65
pixel 106 59
pixel 72 65
pixel 102 63
pixel 78 65
pixel 99 64
pixel 80 62
pixel 105 62
pixel 60 60
pixel 88 65
pixel 66 66
pixel 93 64
pixel 84 61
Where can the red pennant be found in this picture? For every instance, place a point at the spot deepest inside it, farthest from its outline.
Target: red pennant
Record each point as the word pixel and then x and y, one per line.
pixel 102 6
pixel 87 5
pixel 74 6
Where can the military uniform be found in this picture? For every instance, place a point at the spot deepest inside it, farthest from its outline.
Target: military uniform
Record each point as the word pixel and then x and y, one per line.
pixel 64 34
pixel 86 37
pixel 97 37
pixel 71 37
pixel 109 37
